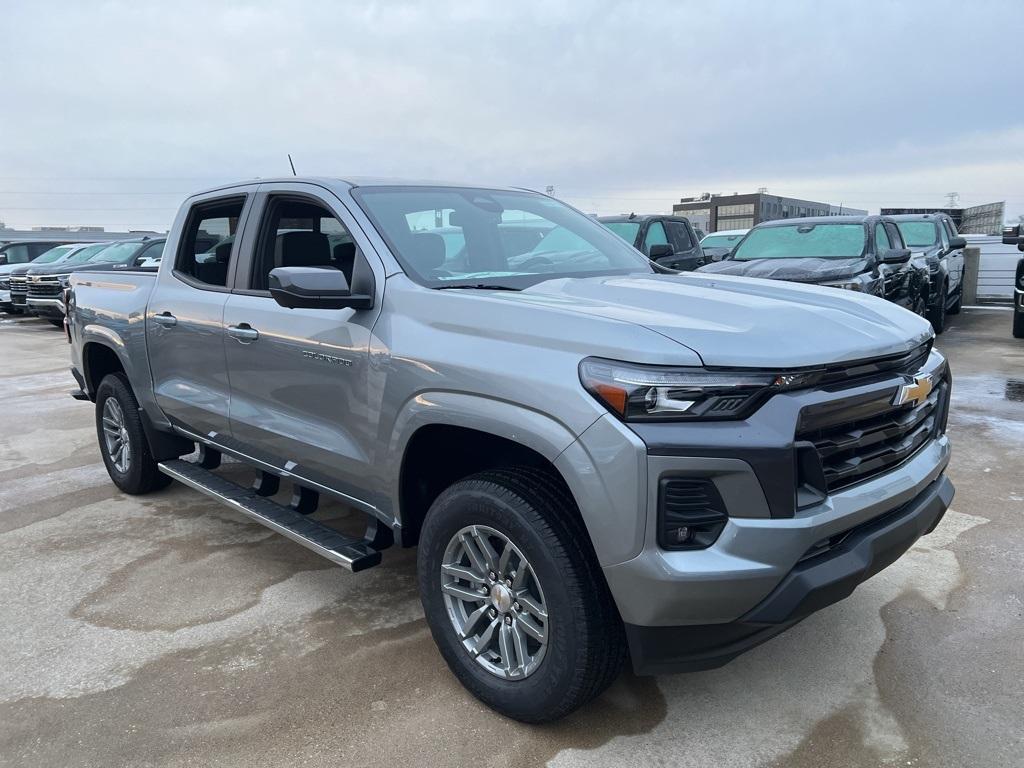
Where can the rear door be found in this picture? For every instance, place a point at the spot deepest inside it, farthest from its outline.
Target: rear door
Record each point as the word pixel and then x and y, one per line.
pixel 303 393
pixel 185 317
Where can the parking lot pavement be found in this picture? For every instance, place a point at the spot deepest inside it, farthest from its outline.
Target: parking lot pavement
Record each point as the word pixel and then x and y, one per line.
pixel 166 630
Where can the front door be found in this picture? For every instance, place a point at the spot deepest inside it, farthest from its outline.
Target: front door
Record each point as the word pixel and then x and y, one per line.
pixel 302 387
pixel 184 320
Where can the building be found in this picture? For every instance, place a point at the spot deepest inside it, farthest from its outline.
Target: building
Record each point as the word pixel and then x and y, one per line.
pixel 714 213
pixel 984 219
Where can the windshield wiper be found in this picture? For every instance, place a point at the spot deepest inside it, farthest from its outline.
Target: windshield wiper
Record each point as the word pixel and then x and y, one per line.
pixel 480 286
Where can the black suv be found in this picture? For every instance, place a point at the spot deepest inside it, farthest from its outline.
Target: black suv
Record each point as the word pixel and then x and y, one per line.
pixel 859 253
pixel 1015 236
pixel 933 238
pixel 46 284
pixel 668 240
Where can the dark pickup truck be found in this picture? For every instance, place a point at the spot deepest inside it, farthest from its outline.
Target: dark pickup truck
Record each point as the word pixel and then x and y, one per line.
pixel 859 253
pixel 666 240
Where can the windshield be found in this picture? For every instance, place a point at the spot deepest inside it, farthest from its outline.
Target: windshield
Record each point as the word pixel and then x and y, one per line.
pixel 720 241
pixel 625 229
pixel 824 241
pixel 464 237
pixel 85 254
pixel 54 254
pixel 918 234
pixel 115 252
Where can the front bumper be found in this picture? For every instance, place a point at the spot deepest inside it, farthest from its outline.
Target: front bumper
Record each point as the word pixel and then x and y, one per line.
pixel 46 307
pixel 811 585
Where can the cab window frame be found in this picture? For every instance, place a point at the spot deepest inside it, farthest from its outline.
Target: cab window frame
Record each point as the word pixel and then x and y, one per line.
pixel 186 240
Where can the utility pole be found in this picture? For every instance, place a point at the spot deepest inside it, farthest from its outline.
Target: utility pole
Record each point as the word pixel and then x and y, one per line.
pixel 952 200
pixel 549 190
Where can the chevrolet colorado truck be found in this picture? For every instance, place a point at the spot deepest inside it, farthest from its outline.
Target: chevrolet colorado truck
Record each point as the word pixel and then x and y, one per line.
pixel 598 461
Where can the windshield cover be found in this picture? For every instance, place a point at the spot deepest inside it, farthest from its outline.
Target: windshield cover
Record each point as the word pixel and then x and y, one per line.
pixel 918 234
pixel 823 241
pixel 625 229
pixel 54 254
pixel 115 253
pixel 446 236
pixel 720 241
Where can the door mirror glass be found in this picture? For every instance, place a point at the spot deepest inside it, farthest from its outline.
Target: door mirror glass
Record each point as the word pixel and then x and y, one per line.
pixel 314 288
pixel 957 242
pixel 660 251
pixel 895 256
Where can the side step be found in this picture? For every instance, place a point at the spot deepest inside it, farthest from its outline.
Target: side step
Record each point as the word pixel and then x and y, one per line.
pixel 354 554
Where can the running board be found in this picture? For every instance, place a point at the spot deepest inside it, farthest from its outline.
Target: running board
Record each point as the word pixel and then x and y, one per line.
pixel 351 553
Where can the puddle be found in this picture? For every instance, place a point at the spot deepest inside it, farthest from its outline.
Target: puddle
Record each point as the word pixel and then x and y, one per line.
pixel 1015 390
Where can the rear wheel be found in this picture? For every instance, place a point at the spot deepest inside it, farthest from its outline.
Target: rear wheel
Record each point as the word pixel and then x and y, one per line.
pixel 123 443
pixel 514 598
pixel 937 314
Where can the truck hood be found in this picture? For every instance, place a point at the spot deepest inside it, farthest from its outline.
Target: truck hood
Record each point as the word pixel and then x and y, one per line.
pixel 741 322
pixel 66 269
pixel 802 270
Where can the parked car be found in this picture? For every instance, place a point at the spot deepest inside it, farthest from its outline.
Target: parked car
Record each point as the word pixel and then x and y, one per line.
pixel 44 285
pixel 595 459
pixel 1014 236
pixel 16 272
pixel 858 253
pixel 717 245
pixel 667 240
pixel 934 238
pixel 14 255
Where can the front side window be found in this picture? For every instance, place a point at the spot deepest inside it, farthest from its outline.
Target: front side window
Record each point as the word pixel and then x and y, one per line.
pixel 417 222
pixel 825 241
pixel 918 234
pixel 205 250
pixel 17 254
pixel 297 232
pixel 655 236
pixel 881 239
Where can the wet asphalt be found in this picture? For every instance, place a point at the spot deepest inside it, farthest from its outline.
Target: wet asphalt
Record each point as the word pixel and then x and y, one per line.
pixel 166 630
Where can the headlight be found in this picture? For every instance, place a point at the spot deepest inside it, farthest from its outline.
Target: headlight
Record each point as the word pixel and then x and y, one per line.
pixel 849 285
pixel 657 393
pixel 63 280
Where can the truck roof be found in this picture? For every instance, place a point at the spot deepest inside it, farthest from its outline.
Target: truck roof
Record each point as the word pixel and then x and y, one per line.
pixel 351 182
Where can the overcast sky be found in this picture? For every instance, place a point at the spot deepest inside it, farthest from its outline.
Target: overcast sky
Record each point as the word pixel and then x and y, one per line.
pixel 111 112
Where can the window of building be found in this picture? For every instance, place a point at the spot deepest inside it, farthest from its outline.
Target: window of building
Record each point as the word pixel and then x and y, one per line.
pixel 736 210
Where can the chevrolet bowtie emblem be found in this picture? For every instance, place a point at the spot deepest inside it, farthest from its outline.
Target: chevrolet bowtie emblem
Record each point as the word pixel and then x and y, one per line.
pixel 915 391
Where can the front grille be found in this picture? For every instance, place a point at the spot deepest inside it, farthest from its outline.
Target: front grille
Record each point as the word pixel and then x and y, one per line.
pixel 19 288
pixel 47 290
pixel 859 438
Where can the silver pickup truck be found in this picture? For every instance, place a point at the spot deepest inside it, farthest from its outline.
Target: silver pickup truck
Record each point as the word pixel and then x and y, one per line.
pixel 598 459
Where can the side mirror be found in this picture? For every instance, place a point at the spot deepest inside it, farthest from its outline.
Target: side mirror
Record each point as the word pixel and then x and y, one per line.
pixel 1011 236
pixel 895 256
pixel 956 243
pixel 314 288
pixel 660 251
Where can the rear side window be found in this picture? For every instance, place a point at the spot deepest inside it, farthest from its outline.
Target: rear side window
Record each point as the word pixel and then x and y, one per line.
pixel 205 250
pixel 678 236
pixel 297 232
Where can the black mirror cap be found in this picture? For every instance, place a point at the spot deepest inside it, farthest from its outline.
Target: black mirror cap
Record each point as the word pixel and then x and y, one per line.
pixel 1013 236
pixel 895 256
pixel 955 243
pixel 660 251
pixel 314 288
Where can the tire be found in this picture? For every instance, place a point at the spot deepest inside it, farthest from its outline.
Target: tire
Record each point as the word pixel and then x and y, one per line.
pixel 137 474
pixel 937 314
pixel 55 322
pixel 959 303
pixel 585 641
pixel 1018 325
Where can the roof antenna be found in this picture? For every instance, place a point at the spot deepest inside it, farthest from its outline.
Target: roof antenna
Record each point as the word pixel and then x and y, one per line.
pixel 292 164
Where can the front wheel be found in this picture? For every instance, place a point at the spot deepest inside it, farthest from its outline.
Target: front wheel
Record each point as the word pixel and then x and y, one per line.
pixel 123 443
pixel 959 303
pixel 514 598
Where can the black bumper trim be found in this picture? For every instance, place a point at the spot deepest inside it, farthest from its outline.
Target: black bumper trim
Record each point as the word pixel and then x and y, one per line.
pixel 809 587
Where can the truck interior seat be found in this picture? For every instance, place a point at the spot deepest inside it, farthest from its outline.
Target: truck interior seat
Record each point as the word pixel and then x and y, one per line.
pixel 427 252
pixel 344 259
pixel 303 249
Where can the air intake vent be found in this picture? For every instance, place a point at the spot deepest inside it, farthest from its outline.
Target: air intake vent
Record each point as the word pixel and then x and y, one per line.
pixel 691 513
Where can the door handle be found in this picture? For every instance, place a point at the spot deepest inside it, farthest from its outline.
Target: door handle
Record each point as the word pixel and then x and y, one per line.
pixel 244 332
pixel 165 319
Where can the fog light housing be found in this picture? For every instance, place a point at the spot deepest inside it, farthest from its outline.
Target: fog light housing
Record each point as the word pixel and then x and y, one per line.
pixel 691 513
